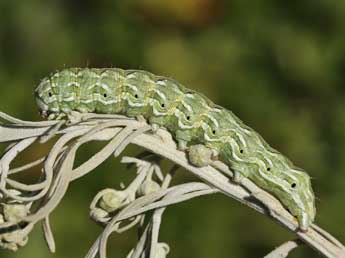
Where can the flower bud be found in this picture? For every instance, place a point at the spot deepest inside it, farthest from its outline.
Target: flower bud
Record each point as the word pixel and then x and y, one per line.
pixel 98 214
pixel 147 187
pixel 112 200
pixel 161 250
pixel 14 212
pixel 13 240
pixel 200 155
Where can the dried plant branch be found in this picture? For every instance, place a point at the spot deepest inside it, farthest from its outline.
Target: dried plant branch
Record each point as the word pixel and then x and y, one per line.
pixel 283 250
pixel 120 210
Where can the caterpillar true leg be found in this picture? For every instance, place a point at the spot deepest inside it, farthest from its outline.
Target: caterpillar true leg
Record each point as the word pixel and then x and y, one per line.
pixel 182 145
pixel 237 177
pixel 155 128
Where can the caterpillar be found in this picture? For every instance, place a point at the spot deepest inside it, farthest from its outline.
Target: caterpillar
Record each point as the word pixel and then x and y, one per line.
pixel 192 119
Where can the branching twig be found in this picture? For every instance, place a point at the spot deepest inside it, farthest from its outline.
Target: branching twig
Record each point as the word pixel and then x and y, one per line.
pixel 284 250
pixel 120 210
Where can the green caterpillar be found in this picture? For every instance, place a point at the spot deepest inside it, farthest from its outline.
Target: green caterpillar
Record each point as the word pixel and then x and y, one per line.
pixel 189 116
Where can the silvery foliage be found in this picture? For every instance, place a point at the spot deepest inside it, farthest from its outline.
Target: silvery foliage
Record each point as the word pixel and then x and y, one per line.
pixel 139 205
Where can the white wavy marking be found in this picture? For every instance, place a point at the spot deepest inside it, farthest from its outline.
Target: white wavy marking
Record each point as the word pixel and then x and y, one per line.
pixel 190 96
pixel 52 99
pixel 160 94
pixel 45 91
pixel 131 76
pixel 214 121
pixel 86 101
pixel 183 126
pixel 188 107
pixel 158 113
pixel 133 87
pixel 161 83
pixel 70 84
pixel 68 99
pixel 131 103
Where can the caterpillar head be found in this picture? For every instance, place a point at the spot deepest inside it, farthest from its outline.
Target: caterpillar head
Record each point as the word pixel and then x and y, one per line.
pixel 289 184
pixel 273 172
pixel 299 197
pixel 46 98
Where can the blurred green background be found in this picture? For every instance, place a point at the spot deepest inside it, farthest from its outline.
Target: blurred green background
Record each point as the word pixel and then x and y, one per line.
pixel 279 65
